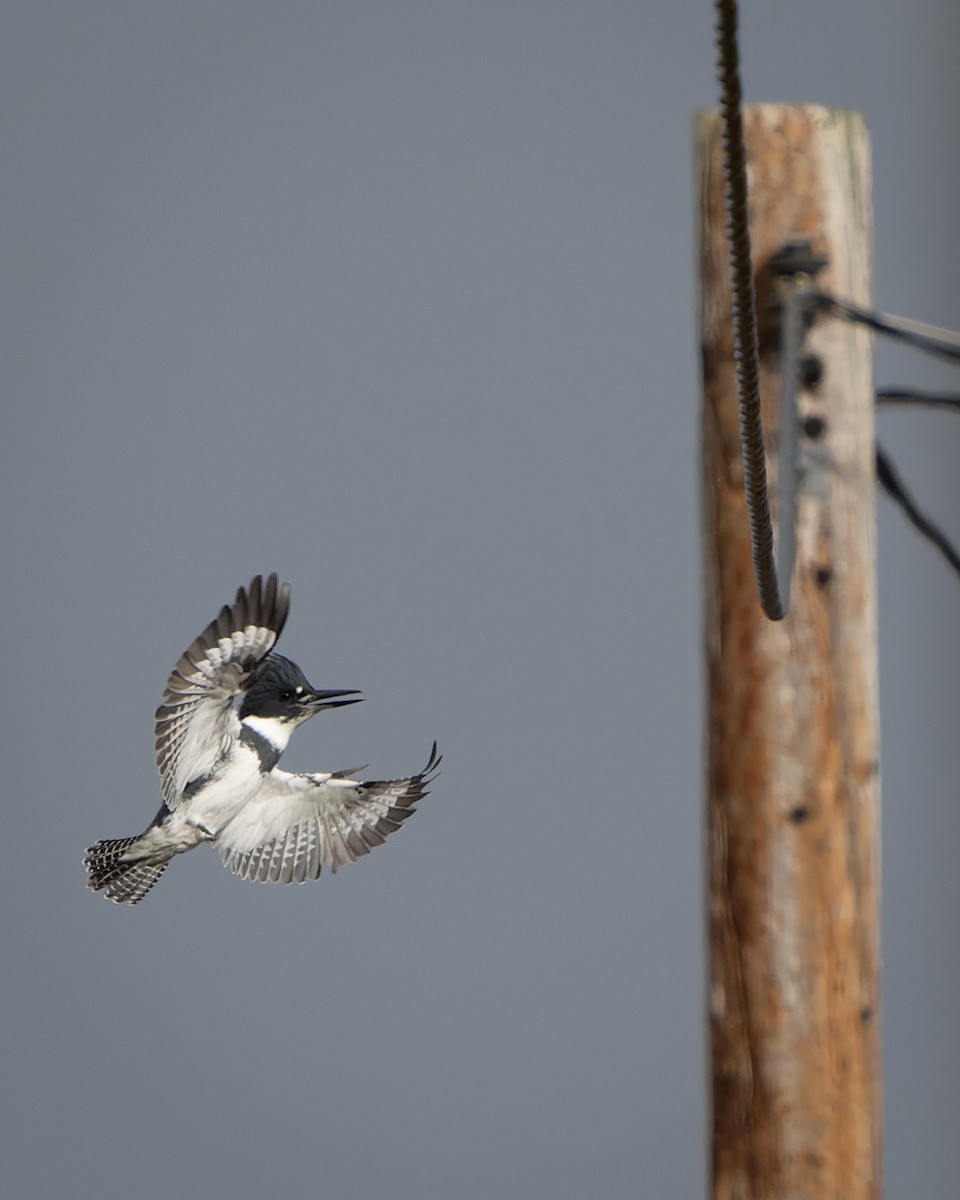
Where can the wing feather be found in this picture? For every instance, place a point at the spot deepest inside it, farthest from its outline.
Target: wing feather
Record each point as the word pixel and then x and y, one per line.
pixel 299 822
pixel 197 717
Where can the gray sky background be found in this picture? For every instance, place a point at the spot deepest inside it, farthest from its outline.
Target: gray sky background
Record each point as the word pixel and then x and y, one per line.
pixel 398 300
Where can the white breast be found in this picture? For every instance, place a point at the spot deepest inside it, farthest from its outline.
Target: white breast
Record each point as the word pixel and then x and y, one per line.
pixel 220 801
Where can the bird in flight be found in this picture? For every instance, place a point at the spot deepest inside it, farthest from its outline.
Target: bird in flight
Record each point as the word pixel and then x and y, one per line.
pixel 228 711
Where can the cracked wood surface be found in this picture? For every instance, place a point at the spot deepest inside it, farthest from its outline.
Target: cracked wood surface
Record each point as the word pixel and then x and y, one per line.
pixel 793 776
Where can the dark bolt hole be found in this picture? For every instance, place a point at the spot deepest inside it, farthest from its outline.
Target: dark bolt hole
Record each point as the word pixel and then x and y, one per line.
pixel 811 371
pixel 814 427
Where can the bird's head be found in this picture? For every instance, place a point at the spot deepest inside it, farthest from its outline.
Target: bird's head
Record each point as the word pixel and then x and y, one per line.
pixel 278 691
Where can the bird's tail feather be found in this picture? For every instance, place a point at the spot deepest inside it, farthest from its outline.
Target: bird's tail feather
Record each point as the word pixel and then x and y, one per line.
pixel 115 870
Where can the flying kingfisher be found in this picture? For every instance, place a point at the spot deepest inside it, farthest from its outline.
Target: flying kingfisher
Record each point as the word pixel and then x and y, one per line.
pixel 228 711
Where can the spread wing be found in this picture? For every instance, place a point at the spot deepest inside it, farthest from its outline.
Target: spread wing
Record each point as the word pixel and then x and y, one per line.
pixel 198 716
pixel 296 823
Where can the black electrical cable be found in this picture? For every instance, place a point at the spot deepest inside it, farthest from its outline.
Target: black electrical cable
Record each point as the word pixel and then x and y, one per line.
pixel 889 479
pixel 745 344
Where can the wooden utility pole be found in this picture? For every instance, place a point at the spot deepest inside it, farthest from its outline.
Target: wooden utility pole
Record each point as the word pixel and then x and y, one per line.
pixel 793 805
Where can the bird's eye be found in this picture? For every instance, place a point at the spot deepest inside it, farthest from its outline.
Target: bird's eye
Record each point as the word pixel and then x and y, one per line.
pixel 285 696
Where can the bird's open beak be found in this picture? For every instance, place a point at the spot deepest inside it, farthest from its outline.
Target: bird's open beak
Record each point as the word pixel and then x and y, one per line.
pixel 317 701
